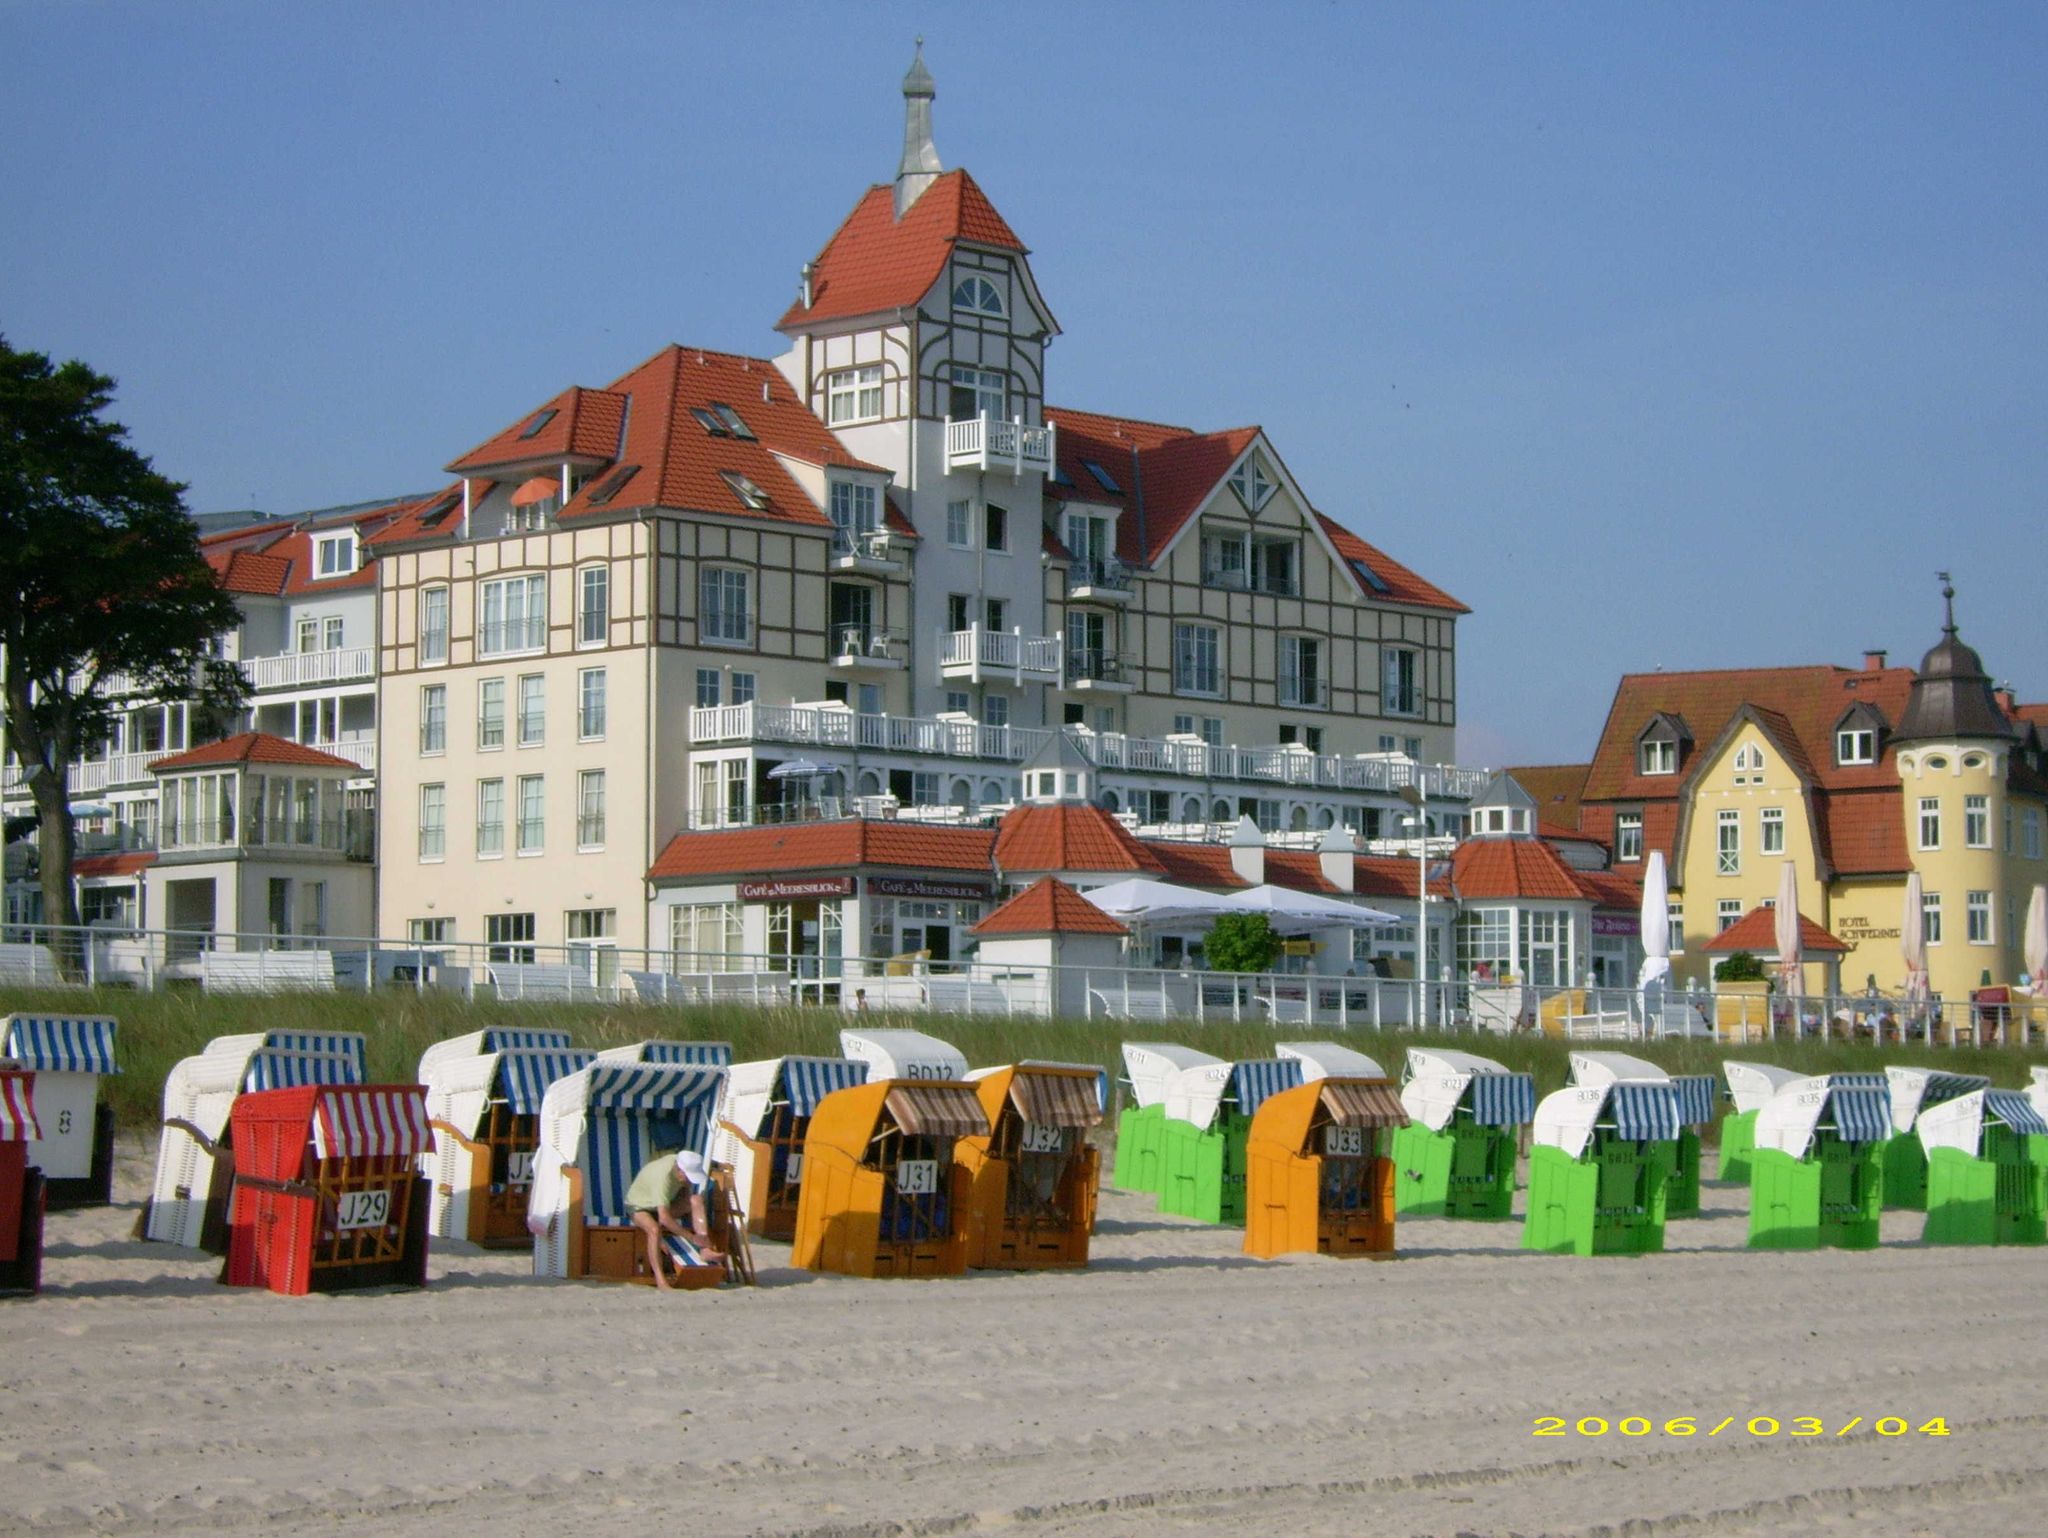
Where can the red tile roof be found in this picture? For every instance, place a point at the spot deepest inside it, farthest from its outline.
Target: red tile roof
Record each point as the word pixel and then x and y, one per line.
pixel 823 846
pixel 1301 870
pixel 875 262
pixel 1864 832
pixel 1049 907
pixel 113 864
pixel 1556 787
pixel 253 748
pixel 1403 585
pixel 277 562
pixel 1076 838
pixel 585 425
pixel 1757 932
pixel 1612 889
pixel 1513 868
pixel 1205 865
pixel 250 571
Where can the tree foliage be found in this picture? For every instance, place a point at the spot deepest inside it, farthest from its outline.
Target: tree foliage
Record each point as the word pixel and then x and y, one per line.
pixel 1242 942
pixel 1740 967
pixel 100 576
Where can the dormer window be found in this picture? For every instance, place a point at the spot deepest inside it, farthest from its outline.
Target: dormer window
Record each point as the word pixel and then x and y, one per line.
pixel 334 555
pixel 1749 764
pixel 978 295
pixel 1661 745
pixel 1859 735
pixel 1253 486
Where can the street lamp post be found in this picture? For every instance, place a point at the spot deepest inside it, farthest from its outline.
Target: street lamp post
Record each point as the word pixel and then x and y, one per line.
pixel 1412 794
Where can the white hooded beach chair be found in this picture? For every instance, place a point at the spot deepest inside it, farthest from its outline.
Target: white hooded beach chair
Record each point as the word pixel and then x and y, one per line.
pixel 1329 1060
pixel 1209 1110
pixel 598 1127
pixel 485 1109
pixel 69 1054
pixel 701 1054
pixel 1750 1087
pixel 493 1038
pixel 188 1202
pixel 904 1055
pixel 1914 1092
pixel 1697 1093
pixel 1456 1157
pixel 762 1118
pixel 1986 1181
pixel 1149 1066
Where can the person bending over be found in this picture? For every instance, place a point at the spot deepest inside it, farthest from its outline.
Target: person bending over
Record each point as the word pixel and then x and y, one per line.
pixel 655 1196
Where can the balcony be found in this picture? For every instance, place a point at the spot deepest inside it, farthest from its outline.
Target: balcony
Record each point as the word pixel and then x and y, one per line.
pixel 864 649
pixel 866 550
pixel 836 726
pixel 93 775
pixel 1100 672
pixel 300 670
pixel 1304 692
pixel 983 443
pixel 975 654
pixel 1236 579
pixel 1103 581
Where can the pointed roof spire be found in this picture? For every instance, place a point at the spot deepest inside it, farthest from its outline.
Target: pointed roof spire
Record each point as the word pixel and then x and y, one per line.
pixel 920 166
pixel 1951 697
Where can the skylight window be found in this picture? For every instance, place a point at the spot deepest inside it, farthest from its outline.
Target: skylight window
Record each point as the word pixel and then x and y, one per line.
pixel 1102 477
pixel 533 428
pixel 612 485
pixel 1061 478
pixel 753 496
pixel 731 419
pixel 711 424
pixel 1369 577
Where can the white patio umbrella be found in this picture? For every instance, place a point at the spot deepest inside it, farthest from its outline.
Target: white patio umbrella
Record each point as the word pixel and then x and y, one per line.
pixel 2035 945
pixel 797 769
pixel 1290 912
pixel 1656 923
pixel 1913 941
pixel 1142 901
pixel 1791 977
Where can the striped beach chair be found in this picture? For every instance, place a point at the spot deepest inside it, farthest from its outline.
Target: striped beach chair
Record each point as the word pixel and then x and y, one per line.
pixel 1456 1157
pixel 1817 1163
pixel 1698 1095
pixel 1140 1156
pixel 486 1112
pixel 188 1200
pixel 1914 1092
pixel 598 1126
pixel 1319 1171
pixel 701 1054
pixel 1209 1111
pixel 764 1115
pixel 1033 1178
pixel 21 1185
pixel 69 1054
pixel 1601 1157
pixel 494 1038
pixel 1987 1169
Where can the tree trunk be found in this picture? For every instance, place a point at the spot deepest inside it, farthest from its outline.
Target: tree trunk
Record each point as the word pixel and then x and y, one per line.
pixel 56 843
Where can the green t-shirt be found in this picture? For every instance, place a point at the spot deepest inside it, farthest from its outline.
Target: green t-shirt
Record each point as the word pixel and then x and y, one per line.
pixel 657 1183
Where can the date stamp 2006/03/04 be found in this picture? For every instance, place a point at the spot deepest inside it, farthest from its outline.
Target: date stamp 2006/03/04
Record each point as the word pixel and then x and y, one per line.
pixel 1734 1425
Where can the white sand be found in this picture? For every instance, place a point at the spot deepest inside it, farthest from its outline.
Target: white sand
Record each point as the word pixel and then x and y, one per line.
pixel 1174 1388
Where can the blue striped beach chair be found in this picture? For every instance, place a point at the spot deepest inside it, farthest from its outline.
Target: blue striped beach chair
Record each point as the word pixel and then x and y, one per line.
pixel 486 1114
pixel 69 1055
pixel 763 1117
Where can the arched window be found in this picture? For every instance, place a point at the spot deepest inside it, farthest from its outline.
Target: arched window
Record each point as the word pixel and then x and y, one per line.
pixel 1221 812
pixel 1326 820
pixel 1191 809
pixel 963 794
pixel 979 295
pixel 1297 820
pixel 992 792
pixel 870 783
pixel 1110 803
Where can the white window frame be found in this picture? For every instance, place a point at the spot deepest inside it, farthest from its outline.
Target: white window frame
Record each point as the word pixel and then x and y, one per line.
pixel 1400 681
pixel 490 714
pixel 334 555
pixel 1252 486
pixel 1977 919
pixel 853 394
pixel 960 524
pixel 1976 822
pixel 1198 660
pixel 593 605
pixel 1771 830
pixel 1928 823
pixel 530 833
pixel 433 720
pixel 514 616
pixel 975 294
pixel 434 636
pixel 1930 917
pixel 590 809
pixel 991 391
pixel 532 710
pixel 433 823
pixel 1728 843
pixel 591 704
pixel 1656 755
pixel 490 829
pixel 720 620
pixel 1855 745
pixel 1628 837
pixel 855 508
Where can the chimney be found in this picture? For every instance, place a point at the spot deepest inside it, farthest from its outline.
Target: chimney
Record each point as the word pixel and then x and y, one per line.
pixel 1873 659
pixel 803 291
pixel 2007 700
pixel 1248 851
pixel 920 167
pixel 1338 854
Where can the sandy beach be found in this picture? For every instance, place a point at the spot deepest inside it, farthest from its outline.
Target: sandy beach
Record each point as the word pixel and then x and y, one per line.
pixel 1176 1387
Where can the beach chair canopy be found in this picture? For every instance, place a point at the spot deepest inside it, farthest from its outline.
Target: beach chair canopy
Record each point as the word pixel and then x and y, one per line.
pixel 1568 1118
pixel 289 1068
pixel 1362 1102
pixel 710 1054
pixel 461 1090
pixel 936 1110
pixel 1149 1066
pixel 347 1044
pixel 1960 1123
pixel 494 1038
pixel 2037 1089
pixel 1697 1096
pixel 1916 1090
pixel 370 1121
pixel 1804 1107
pixel 904 1055
pixel 1437 1082
pixel 18 1107
pixel 1194 1095
pixel 1751 1085
pixel 1068 1096
pixel 1615 1068
pixel 1326 1059
pixel 799 1082
pixel 61 1043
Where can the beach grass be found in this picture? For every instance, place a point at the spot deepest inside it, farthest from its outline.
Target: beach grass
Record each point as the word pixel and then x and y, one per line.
pixel 157 1029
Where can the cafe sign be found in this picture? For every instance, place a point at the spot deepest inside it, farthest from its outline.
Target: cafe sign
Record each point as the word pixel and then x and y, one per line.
pixel 1617 924
pixel 917 886
pixel 796 888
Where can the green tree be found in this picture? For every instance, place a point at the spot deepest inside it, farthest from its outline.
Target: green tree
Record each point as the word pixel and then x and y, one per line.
pixel 1740 967
pixel 100 575
pixel 1242 942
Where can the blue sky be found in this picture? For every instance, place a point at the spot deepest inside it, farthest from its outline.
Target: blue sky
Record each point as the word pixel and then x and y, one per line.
pixel 1679 336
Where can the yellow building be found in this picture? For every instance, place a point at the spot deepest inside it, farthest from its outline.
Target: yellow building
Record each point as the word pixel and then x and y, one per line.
pixel 1857 776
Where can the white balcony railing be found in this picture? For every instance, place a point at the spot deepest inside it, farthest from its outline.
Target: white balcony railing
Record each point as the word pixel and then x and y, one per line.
pixel 986 443
pixel 835 726
pixel 297 670
pixel 1002 651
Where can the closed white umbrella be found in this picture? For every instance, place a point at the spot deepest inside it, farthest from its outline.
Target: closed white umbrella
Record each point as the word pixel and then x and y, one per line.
pixel 2036 944
pixel 1291 912
pixel 1790 976
pixel 1656 922
pixel 1913 941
